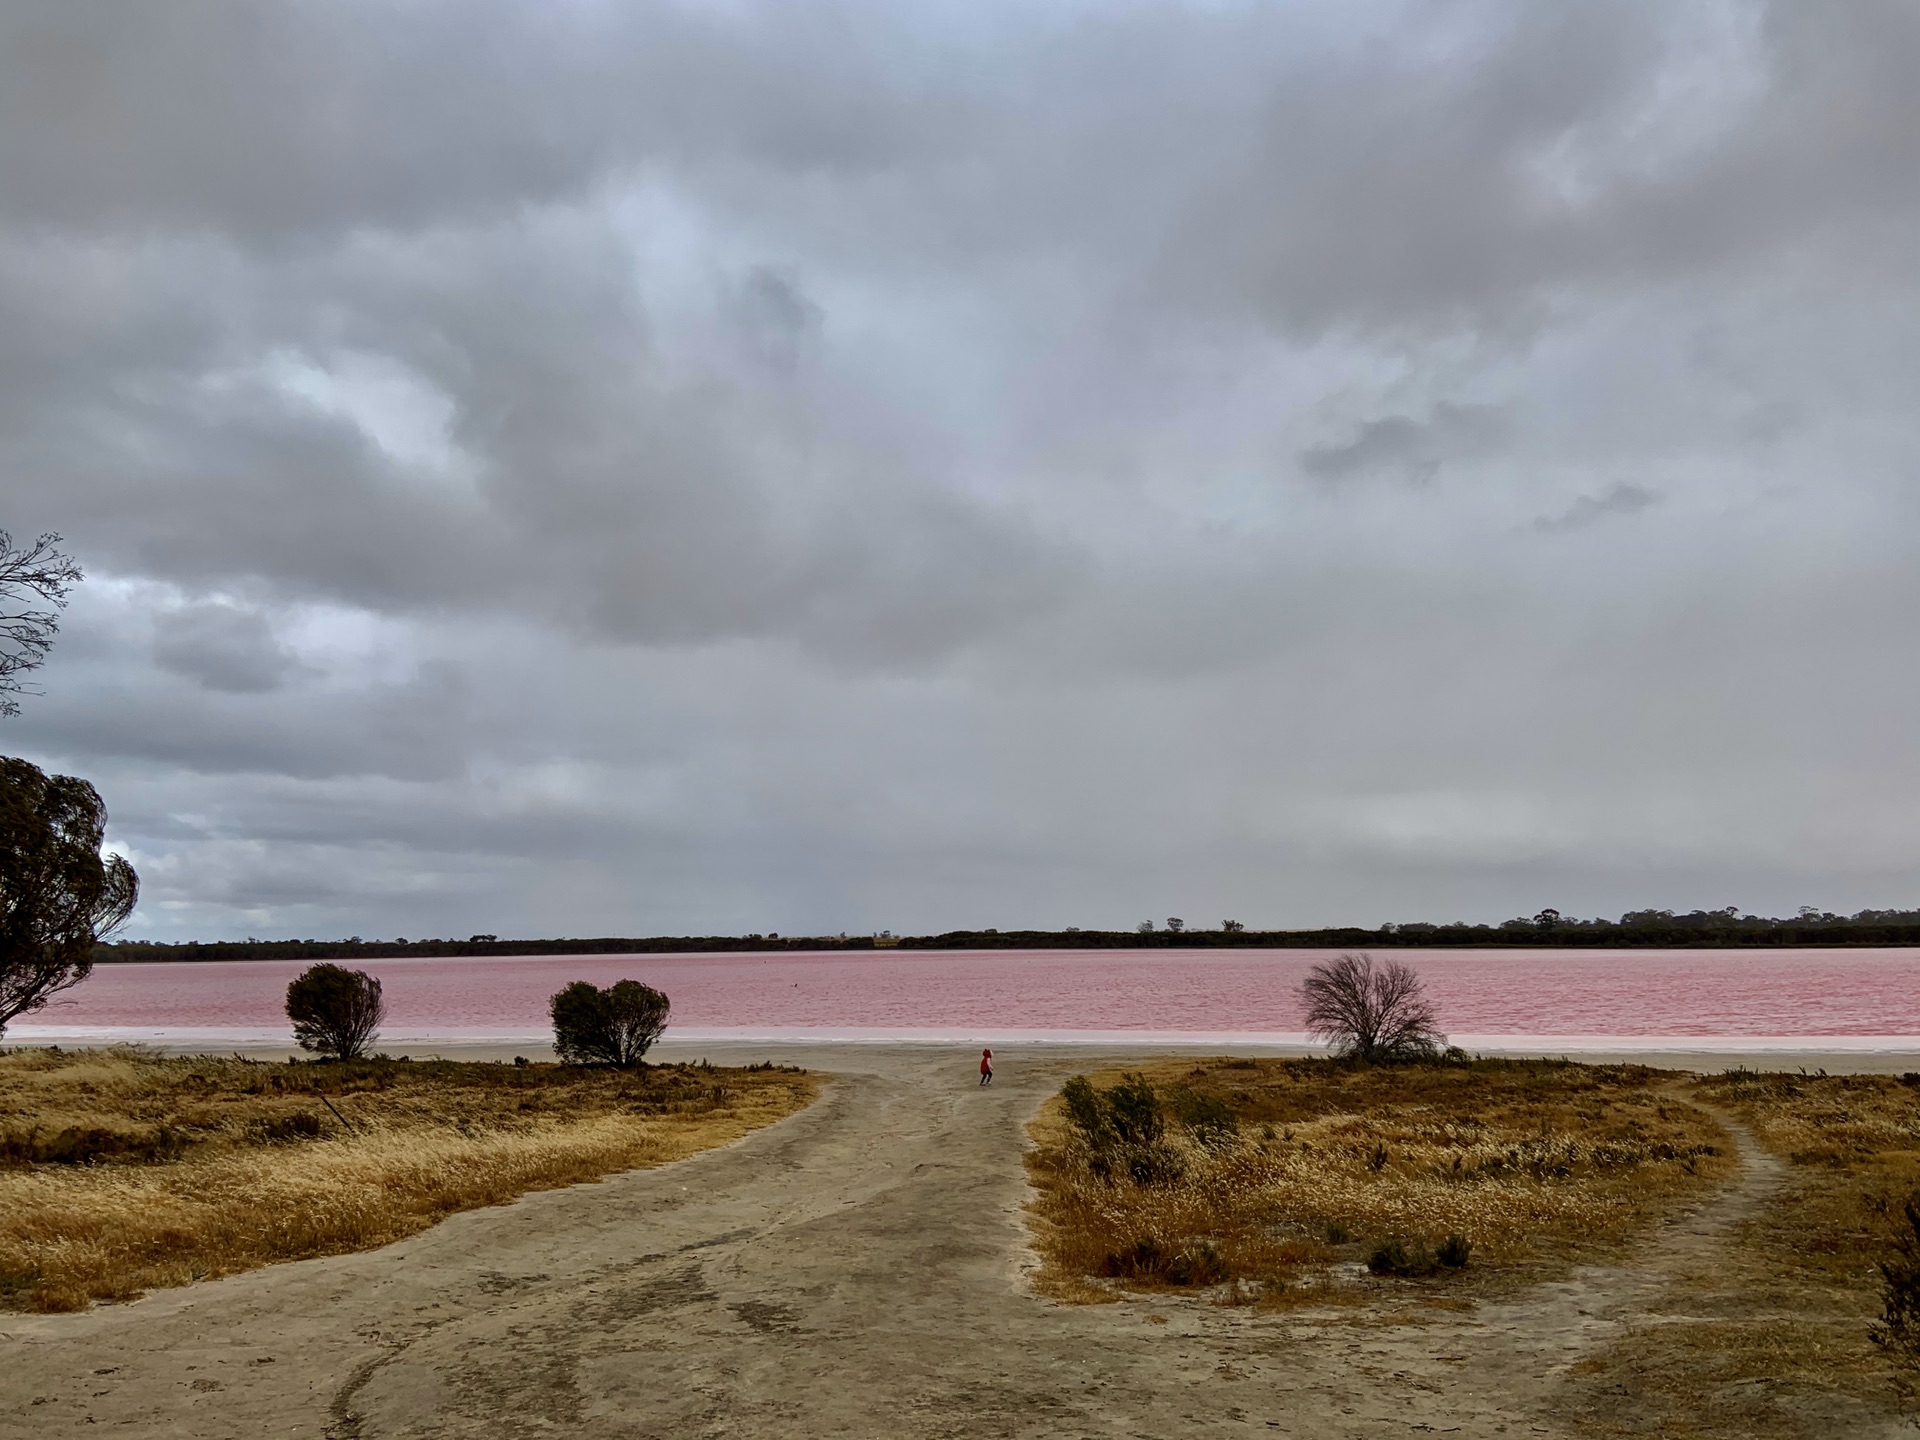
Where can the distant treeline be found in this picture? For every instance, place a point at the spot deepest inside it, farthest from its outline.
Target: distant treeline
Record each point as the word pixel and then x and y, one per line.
pixel 1661 929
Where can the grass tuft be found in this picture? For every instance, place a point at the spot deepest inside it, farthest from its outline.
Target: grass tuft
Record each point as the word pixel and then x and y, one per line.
pixel 1403 1258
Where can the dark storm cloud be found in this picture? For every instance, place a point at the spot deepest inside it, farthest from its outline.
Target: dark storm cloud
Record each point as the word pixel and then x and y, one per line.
pixel 595 467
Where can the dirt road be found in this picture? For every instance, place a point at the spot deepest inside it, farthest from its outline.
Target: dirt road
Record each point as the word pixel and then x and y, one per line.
pixel 856 1270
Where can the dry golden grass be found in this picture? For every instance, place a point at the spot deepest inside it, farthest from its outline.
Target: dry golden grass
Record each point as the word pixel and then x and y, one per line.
pixel 122 1171
pixel 1777 1339
pixel 1535 1163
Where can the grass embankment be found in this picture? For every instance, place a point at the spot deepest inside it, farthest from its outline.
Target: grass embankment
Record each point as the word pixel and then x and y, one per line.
pixel 1291 1175
pixel 122 1171
pixel 1775 1334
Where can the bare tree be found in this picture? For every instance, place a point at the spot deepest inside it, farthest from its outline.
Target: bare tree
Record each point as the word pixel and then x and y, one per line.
pixel 29 574
pixel 59 896
pixel 1371 1012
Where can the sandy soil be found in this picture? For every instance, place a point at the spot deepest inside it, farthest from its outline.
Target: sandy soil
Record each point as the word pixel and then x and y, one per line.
pixel 857 1270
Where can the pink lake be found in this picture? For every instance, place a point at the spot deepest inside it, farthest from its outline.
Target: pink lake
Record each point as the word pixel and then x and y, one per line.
pixel 1841 998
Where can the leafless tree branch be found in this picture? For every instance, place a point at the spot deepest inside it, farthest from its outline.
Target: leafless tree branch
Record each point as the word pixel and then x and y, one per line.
pixel 1371 1011
pixel 27 573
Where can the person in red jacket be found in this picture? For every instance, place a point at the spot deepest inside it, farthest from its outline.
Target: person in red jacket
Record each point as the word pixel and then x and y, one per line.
pixel 986 1067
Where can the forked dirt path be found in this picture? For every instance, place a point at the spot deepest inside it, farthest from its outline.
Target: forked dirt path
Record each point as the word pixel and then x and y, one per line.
pixel 855 1270
pixel 1528 1346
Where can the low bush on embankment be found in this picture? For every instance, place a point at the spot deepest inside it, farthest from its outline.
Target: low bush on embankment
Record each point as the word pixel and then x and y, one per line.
pixel 121 1171
pixel 1320 1179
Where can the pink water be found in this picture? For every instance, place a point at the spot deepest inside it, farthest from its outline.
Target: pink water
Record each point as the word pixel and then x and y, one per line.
pixel 1786 994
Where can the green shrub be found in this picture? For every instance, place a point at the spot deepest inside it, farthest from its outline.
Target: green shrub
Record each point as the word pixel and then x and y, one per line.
pixel 1206 1117
pixel 1397 1257
pixel 1144 1258
pixel 1086 1110
pixel 1197 1265
pixel 615 1026
pixel 1155 1164
pixel 1453 1251
pixel 1191 1265
pixel 1133 1109
pixel 335 1011
pixel 1124 1129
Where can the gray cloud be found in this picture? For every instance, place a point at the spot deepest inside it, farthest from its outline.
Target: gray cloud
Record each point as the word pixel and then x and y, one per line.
pixel 1621 499
pixel 1596 143
pixel 222 647
pixel 581 468
pixel 302 118
pixel 1412 449
pixel 583 476
pixel 775 317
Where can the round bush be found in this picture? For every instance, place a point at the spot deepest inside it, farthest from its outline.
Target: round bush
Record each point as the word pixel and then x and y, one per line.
pixel 615 1026
pixel 335 1011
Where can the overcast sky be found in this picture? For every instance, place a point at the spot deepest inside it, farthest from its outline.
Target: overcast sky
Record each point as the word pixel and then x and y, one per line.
pixel 589 468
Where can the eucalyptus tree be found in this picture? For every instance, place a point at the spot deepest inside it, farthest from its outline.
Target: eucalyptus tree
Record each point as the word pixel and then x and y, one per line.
pixel 60 894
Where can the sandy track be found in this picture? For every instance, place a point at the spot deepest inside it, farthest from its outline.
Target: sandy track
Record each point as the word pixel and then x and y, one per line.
pixel 853 1271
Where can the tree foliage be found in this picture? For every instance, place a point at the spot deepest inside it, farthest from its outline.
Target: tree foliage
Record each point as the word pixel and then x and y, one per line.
pixel 615 1026
pixel 34 581
pixel 335 1011
pixel 58 894
pixel 1371 1011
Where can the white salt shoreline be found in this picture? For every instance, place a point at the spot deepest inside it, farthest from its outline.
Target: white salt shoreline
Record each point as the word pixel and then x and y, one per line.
pixel 394 1037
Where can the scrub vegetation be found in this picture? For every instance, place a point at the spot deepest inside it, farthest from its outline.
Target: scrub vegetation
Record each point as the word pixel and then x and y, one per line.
pixel 121 1171
pixel 1292 1181
pixel 1783 1323
pixel 1791 1310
